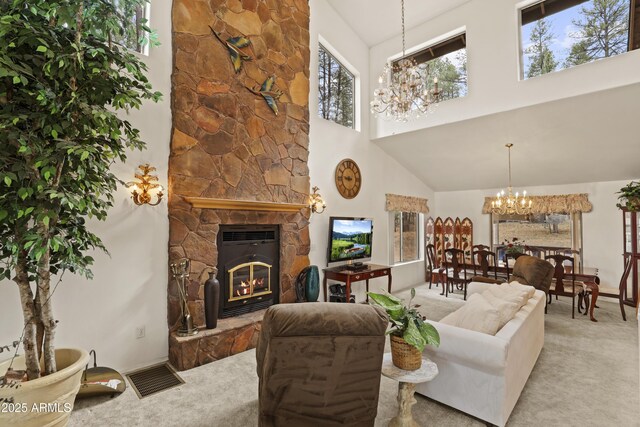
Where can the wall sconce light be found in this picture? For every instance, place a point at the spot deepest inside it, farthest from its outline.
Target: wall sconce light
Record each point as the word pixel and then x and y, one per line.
pixel 316 203
pixel 147 187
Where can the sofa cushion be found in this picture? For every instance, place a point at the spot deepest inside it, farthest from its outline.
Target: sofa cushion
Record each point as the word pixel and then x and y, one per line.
pixel 511 294
pixel 477 314
pixel 506 309
pixel 530 290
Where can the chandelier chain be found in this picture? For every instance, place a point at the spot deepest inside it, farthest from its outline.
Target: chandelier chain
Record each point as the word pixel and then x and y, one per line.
pixel 403 42
pixel 508 203
pixel 509 147
pixel 404 92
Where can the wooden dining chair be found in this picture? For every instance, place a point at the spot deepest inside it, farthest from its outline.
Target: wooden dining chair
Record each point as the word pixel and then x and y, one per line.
pixel 433 271
pixel 485 259
pixel 475 248
pixel 456 271
pixel 535 251
pixel 575 289
pixel 480 248
pixel 570 253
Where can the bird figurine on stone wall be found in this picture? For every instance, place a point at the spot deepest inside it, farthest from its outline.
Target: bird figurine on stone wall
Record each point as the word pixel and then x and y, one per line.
pixel 233 45
pixel 269 93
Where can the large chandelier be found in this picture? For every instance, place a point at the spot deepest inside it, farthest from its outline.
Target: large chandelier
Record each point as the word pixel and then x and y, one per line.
pixel 510 204
pixel 403 93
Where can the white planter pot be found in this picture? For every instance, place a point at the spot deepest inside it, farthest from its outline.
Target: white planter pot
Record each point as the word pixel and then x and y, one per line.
pixel 46 401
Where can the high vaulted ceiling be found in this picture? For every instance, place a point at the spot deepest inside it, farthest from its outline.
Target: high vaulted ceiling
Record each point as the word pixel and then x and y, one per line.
pixel 587 138
pixel 378 20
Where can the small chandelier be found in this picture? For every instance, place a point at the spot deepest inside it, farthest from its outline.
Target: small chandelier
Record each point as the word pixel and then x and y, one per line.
pixel 510 204
pixel 403 93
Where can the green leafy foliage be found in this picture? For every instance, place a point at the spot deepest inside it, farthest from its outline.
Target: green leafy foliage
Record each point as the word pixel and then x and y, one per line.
pixel 64 86
pixel 451 74
pixel 543 60
pixel 629 196
pixel 405 320
pixel 336 90
pixel 602 30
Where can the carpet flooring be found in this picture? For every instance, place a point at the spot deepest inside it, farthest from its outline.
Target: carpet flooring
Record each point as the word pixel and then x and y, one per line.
pixel 587 375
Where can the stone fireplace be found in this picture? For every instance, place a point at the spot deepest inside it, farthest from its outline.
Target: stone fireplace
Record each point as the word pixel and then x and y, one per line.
pixel 234 162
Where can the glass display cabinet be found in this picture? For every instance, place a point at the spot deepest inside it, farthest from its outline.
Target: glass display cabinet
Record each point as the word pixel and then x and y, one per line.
pixel 631 229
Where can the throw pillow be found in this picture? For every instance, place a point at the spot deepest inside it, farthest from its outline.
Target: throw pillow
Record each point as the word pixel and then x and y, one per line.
pixel 506 309
pixel 476 315
pixel 530 290
pixel 511 294
pixel 451 318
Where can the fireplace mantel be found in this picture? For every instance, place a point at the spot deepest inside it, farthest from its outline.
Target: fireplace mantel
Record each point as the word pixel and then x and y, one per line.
pixel 243 205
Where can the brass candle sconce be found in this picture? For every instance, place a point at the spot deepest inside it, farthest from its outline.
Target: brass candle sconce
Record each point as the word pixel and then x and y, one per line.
pixel 316 202
pixel 147 187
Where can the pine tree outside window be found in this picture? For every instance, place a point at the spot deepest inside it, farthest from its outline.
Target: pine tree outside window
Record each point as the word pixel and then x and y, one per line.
pixel 336 90
pixel 406 237
pixel 560 34
pixel 446 60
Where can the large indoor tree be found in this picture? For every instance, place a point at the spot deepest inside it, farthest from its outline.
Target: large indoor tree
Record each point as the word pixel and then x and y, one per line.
pixel 67 79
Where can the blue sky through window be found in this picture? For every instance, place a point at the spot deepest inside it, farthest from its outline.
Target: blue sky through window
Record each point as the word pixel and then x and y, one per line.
pixel 565 34
pixel 562 28
pixel 352 227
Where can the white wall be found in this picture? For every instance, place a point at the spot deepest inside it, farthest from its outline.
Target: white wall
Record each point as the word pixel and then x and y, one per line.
pixel 493 67
pixel 130 287
pixel 602 228
pixel 330 143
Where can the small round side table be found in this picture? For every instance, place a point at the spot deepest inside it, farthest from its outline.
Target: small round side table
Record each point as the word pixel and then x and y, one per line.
pixel 407 381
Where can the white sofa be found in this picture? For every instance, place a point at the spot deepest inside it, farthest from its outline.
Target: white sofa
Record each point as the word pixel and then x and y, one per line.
pixel 483 375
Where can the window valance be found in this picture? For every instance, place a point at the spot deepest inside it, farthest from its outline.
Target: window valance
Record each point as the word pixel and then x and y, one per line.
pixel 397 203
pixel 560 203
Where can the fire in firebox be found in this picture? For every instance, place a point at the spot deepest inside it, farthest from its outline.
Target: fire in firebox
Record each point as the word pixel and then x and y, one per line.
pixel 247 286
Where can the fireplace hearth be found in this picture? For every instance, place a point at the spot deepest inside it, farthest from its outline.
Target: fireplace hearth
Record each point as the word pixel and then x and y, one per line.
pixel 248 259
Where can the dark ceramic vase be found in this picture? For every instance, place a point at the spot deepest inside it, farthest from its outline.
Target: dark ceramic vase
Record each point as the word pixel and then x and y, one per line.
pixel 312 284
pixel 211 300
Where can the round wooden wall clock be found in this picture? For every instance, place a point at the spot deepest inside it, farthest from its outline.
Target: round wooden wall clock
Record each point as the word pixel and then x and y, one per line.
pixel 348 178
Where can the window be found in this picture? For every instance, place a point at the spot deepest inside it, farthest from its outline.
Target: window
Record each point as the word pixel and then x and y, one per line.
pixel 548 232
pixel 447 61
pixel 136 37
pixel 559 34
pixel 406 236
pixel 336 90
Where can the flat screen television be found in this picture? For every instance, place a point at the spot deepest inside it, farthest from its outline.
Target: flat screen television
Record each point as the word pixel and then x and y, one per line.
pixel 349 239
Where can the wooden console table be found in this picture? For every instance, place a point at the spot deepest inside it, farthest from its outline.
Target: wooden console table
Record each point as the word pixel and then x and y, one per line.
pixel 341 274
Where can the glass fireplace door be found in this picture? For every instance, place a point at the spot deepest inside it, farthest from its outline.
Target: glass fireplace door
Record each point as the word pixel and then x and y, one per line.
pixel 249 280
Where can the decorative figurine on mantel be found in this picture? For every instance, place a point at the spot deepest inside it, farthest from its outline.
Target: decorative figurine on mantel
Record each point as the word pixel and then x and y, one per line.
pixel 181 270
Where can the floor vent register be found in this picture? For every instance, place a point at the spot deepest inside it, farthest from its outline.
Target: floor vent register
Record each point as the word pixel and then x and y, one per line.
pixel 154 379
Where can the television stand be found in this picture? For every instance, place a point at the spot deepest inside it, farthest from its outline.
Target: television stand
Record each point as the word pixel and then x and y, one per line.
pixel 341 274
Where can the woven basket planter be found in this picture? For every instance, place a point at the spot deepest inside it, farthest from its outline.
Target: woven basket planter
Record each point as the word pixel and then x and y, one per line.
pixel 403 355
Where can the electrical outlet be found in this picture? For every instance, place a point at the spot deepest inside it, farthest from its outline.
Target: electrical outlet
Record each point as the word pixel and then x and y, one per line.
pixel 140 332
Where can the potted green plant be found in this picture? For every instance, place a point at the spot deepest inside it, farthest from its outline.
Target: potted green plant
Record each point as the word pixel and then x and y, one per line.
pixel 409 333
pixel 66 77
pixel 629 196
pixel 514 246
